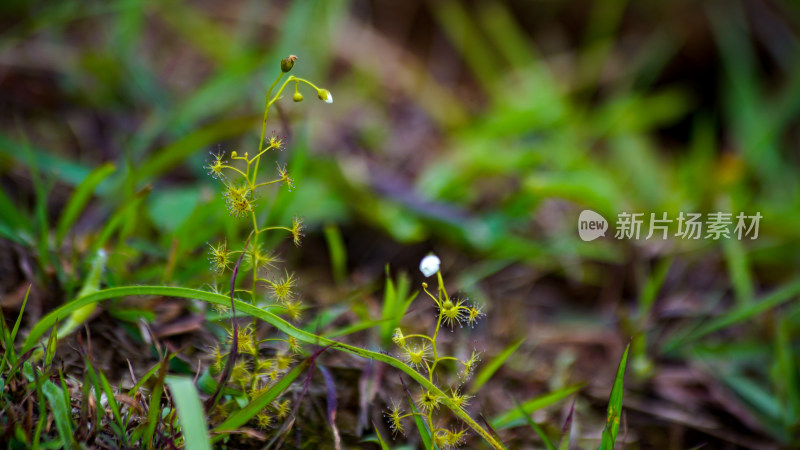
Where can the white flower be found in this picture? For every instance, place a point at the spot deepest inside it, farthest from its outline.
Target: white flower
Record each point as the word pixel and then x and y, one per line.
pixel 325 95
pixel 429 265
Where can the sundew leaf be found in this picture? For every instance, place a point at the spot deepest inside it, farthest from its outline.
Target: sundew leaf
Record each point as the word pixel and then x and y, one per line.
pixel 611 428
pixel 191 414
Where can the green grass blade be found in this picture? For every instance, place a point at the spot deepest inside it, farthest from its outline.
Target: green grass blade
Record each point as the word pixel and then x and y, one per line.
pixel 19 318
pixel 61 414
pixel 90 286
pixel 37 434
pixel 739 270
pixel 740 314
pixel 381 441
pixel 79 200
pixel 513 417
pixel 493 366
pixel 787 369
pixel 10 355
pixel 190 413
pixel 337 251
pixel 154 408
pixel 149 374
pixel 387 313
pixel 117 219
pixel 11 215
pixel 50 350
pixel 611 428
pixel 112 401
pixel 171 155
pixel 535 427
pixel 422 428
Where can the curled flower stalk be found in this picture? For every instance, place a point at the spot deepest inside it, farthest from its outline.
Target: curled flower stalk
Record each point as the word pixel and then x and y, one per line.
pixel 422 353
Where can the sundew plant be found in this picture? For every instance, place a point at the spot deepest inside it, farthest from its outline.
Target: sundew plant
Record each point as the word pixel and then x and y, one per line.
pixel 424 354
pixel 248 370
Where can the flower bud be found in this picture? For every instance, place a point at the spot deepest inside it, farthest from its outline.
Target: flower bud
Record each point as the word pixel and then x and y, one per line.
pixel 287 63
pixel 298 97
pixel 325 95
pixel 429 265
pixel 234 154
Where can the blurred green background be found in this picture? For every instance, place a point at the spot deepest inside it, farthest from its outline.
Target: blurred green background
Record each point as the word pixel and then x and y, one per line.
pixel 478 130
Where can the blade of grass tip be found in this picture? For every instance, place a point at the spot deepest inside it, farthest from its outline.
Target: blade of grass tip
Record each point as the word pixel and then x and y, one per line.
pixel 95 384
pixel 61 414
pixel 330 397
pixel 79 199
pixel 90 286
pixel 21 311
pixel 535 427
pixel 337 251
pixel 513 416
pixel 83 423
pixel 67 394
pixel 611 428
pixel 739 271
pixel 10 355
pixel 190 413
pixel 154 409
pixel 112 403
pixel 493 366
pixel 566 431
pixel 234 352
pixel 422 428
pixel 389 301
pixel 149 374
pixel 37 434
pixel 50 350
pixel 381 441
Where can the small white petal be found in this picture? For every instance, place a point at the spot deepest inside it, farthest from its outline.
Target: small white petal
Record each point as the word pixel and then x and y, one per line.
pixel 429 265
pixel 330 98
